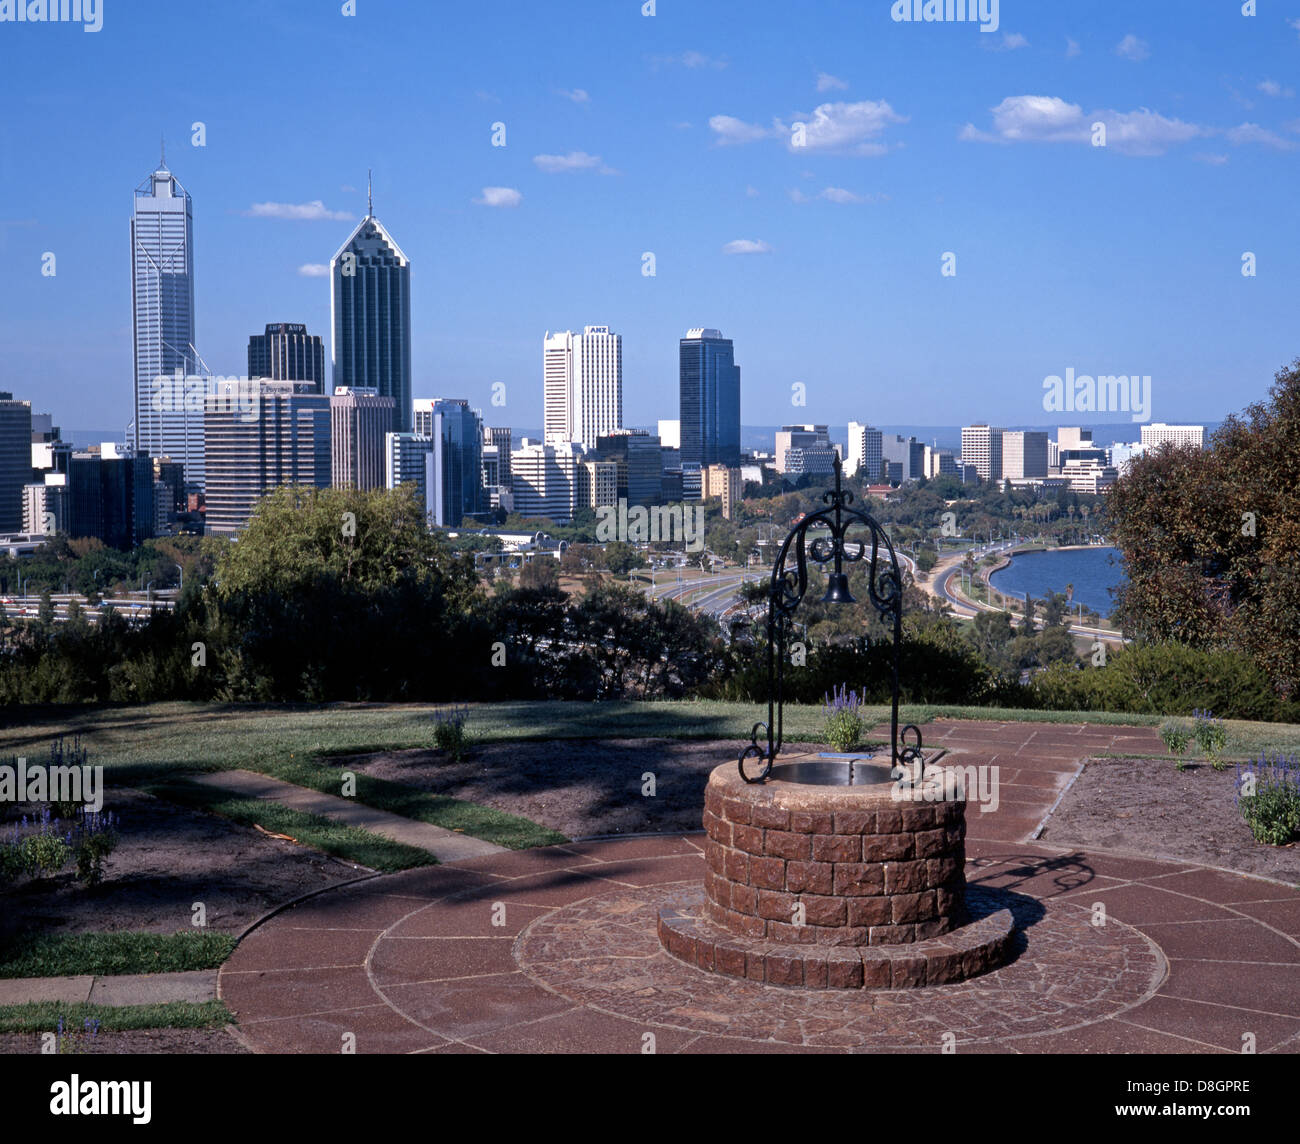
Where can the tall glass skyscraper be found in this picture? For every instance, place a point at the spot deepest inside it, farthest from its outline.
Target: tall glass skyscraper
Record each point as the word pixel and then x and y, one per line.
pixel 162 295
pixel 710 399
pixel 370 300
pixel 287 352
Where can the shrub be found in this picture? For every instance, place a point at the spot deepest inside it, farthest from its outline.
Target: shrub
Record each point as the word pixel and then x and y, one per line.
pixel 844 721
pixel 1211 738
pixel 449 733
pixel 1268 796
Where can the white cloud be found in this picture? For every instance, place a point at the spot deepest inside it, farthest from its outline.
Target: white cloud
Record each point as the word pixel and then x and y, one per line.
pixel 828 82
pixel 1254 133
pixel 1009 43
pixel 836 195
pixel 499 197
pixel 1294 24
pixel 850 127
pixel 577 95
pixel 1072 48
pixel 729 129
pixel 298 212
pixel 573 161
pixel 751 192
pixel 691 59
pixel 747 246
pixel 1275 89
pixel 314 270
pixel 1132 48
pixel 348 188
pixel 1048 119
pixel 1212 159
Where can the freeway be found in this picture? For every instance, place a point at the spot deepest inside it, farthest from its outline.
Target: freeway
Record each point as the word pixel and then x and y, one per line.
pixel 133 609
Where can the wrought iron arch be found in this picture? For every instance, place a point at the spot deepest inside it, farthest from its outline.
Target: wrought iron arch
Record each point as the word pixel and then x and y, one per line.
pixel 786 591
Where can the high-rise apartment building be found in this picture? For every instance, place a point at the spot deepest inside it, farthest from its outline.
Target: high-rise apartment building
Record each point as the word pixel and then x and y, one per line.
pixel 370 307
pixel 1180 436
pixel 287 352
pixel 286 442
pixel 865 453
pixel 724 484
pixel 1024 454
pixel 546 480
pixel 359 421
pixel 981 446
pixel 582 385
pixel 162 295
pixel 15 460
pixel 709 390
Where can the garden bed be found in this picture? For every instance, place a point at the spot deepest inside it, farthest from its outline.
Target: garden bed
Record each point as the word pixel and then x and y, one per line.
pixel 168 858
pixel 1147 806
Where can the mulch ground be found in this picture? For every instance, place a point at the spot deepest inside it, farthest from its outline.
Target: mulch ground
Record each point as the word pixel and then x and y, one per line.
pixel 1146 806
pixel 580 787
pixel 169 858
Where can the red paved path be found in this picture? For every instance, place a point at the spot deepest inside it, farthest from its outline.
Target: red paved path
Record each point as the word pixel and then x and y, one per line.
pixel 413 962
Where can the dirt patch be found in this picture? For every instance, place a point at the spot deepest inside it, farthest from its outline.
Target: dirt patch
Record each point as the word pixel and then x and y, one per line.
pixel 190 1042
pixel 168 859
pixel 580 787
pixel 1149 807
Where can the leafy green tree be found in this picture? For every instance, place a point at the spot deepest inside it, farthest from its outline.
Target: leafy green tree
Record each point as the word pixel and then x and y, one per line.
pixel 621 558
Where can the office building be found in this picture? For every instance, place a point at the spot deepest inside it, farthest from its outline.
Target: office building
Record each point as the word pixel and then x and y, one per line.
pixel 545 481
pixel 500 439
pixel 370 308
pixel 904 456
pixel 110 496
pixel 287 352
pixel 981 446
pixel 454 466
pixel 1092 477
pixel 724 484
pixel 167 422
pixel 709 384
pixel 940 463
pixel 286 443
pixel 670 434
pixel 582 382
pixel 1024 454
pixel 359 421
pixel 1180 436
pixel 639 457
pixel 15 460
pixel 865 452
pixel 598 484
pixel 804 449
pixel 45 506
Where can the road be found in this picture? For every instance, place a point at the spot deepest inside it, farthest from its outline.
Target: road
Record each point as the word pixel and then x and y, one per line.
pixel 135 609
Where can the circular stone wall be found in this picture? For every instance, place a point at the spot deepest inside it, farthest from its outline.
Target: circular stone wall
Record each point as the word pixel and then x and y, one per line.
pixel 856 869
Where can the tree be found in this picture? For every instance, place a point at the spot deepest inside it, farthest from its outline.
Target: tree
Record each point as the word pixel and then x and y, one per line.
pixel 540 572
pixel 1209 538
pixel 621 558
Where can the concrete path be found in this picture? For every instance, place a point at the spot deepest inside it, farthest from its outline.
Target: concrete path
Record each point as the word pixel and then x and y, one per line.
pixel 445 845
pixel 128 989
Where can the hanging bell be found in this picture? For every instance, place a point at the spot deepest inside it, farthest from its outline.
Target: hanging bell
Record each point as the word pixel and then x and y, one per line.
pixel 837 589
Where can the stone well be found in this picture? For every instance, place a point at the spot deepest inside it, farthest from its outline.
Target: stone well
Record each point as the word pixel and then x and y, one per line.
pixel 824 877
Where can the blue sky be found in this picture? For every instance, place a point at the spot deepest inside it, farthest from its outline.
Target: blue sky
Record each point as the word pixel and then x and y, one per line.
pixel 672 134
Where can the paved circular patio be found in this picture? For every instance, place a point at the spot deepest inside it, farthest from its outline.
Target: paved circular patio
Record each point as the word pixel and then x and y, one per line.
pixel 554 950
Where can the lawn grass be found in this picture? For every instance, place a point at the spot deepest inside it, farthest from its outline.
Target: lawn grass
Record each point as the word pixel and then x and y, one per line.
pixel 349 843
pixel 77 954
pixel 43 1017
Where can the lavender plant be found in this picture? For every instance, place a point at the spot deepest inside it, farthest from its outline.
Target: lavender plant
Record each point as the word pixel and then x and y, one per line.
pixel 1268 796
pixel 1211 738
pixel 845 723
pixel 449 734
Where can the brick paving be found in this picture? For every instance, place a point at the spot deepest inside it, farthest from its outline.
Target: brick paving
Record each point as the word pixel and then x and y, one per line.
pixel 554 950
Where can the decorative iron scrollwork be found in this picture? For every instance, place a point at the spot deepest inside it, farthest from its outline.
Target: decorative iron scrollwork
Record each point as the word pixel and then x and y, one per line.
pixel 786 591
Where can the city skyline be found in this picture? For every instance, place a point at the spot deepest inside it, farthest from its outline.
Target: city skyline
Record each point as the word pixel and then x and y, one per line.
pixel 903 171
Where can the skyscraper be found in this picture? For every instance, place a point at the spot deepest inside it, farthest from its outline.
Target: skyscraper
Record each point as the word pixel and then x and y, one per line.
pixel 582 385
pixel 866 451
pixel 1024 454
pixel 709 382
pixel 454 480
pixel 287 352
pixel 162 295
pixel 15 459
pixel 359 421
pixel 370 304
pixel 981 446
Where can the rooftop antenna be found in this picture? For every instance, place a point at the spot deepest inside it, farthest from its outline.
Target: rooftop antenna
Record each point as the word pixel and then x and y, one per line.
pixel 370 194
pixel 162 163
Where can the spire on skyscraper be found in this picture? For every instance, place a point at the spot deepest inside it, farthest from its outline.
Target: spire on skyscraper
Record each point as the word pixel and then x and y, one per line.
pixel 370 194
